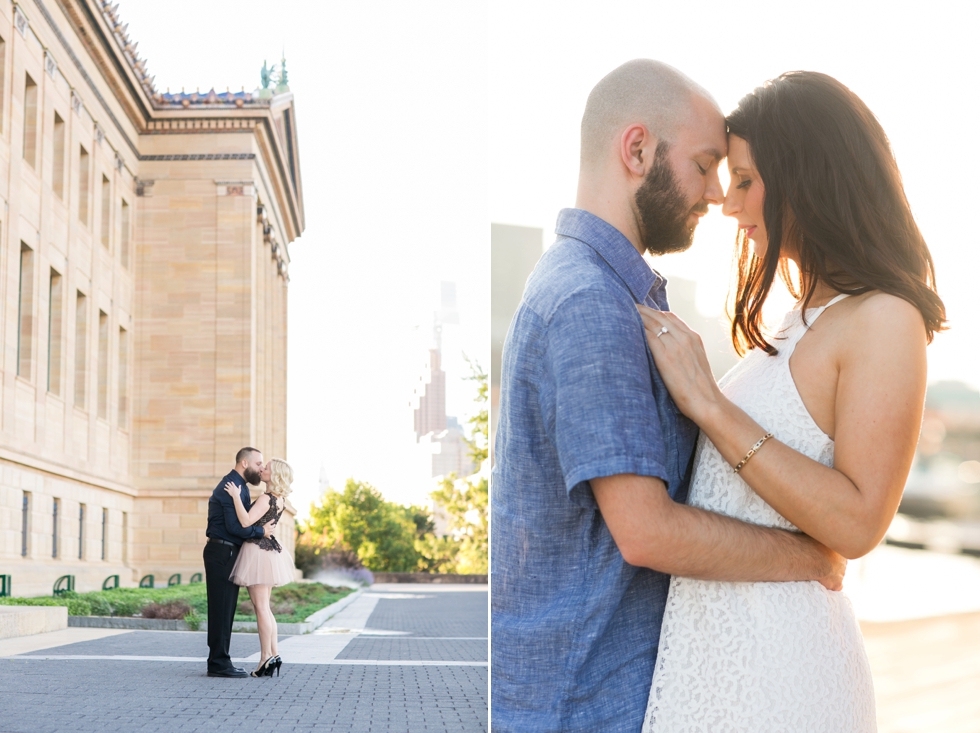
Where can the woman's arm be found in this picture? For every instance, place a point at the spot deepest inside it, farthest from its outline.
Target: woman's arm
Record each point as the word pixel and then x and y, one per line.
pixel 878 411
pixel 259 508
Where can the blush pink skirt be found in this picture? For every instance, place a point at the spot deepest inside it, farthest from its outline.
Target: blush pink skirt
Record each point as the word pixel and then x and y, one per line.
pixel 257 566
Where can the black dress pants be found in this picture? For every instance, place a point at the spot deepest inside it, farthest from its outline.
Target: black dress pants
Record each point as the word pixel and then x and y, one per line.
pixel 219 559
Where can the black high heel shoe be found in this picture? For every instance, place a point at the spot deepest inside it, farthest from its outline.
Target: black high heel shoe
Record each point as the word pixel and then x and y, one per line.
pixel 263 669
pixel 275 662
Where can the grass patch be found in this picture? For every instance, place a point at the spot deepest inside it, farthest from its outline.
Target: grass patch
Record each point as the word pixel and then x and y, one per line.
pixel 292 603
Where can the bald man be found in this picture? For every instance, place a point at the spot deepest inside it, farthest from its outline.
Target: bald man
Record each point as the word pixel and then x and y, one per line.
pixel 592 457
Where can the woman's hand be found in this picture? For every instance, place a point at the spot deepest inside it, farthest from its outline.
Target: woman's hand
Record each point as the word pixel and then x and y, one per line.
pixel 682 362
pixel 233 490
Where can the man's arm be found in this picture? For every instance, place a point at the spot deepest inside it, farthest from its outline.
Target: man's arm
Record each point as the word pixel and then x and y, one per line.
pixel 651 530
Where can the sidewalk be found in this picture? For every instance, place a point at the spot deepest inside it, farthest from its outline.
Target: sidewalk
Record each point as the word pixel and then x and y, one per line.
pixel 400 658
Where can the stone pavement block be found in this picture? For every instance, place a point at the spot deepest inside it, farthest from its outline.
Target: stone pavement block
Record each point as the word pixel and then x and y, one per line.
pixel 432 614
pixel 409 684
pixel 401 649
pixel 157 643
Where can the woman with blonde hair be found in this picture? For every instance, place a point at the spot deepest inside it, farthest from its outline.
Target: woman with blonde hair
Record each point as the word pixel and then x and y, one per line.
pixel 261 565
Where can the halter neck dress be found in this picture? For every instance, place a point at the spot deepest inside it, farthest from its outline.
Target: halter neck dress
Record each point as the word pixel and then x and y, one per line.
pixel 760 657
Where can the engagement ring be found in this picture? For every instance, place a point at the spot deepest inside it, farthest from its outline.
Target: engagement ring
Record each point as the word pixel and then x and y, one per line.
pixel 662 331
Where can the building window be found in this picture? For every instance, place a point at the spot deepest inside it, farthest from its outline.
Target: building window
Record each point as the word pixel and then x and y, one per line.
pixel 25 514
pixel 30 122
pixel 83 176
pixel 123 372
pixel 105 528
pixel 58 171
pixel 103 365
pixel 106 206
pixel 81 339
pixel 54 527
pixel 25 315
pixel 124 230
pixel 55 307
pixel 81 531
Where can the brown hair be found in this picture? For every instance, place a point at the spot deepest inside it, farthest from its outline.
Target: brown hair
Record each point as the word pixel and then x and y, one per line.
pixel 834 191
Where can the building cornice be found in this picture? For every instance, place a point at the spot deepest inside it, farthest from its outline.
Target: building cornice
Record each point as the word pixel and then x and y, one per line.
pixel 63 471
pixel 99 28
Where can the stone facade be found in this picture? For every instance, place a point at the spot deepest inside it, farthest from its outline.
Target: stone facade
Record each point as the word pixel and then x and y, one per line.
pixel 143 282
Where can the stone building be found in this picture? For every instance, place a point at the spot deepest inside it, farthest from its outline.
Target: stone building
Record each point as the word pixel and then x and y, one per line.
pixel 143 281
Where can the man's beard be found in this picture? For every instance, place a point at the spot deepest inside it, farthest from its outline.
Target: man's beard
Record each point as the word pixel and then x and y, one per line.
pixel 662 209
pixel 252 476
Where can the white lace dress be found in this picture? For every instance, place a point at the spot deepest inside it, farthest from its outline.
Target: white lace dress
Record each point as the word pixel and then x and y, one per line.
pixel 760 657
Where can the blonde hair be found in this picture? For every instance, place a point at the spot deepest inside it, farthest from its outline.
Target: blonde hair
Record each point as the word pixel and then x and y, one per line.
pixel 280 477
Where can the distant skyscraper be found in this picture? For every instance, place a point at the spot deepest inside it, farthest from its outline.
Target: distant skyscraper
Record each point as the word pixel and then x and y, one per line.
pixel 440 436
pixel 430 413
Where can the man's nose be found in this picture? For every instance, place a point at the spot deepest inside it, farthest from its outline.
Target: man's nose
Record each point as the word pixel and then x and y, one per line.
pixel 713 192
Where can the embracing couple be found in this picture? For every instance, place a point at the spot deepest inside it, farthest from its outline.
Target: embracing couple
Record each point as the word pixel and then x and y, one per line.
pixel 242 550
pixel 668 551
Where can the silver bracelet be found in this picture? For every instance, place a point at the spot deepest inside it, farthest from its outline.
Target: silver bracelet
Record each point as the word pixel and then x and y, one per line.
pixel 752 451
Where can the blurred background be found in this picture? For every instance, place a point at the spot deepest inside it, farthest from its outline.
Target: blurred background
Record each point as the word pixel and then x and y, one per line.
pixel 918 594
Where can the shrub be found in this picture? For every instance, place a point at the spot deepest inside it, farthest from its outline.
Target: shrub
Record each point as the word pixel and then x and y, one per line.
pixel 100 605
pixel 245 608
pixel 171 610
pixel 193 621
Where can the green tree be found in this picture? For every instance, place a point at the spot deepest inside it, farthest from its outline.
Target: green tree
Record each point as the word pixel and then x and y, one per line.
pixel 479 440
pixel 359 522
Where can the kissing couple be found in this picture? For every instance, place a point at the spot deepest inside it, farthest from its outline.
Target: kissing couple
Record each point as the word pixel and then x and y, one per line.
pixel 668 550
pixel 242 550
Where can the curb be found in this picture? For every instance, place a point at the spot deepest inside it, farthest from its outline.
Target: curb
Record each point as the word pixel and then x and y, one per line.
pixel 158 624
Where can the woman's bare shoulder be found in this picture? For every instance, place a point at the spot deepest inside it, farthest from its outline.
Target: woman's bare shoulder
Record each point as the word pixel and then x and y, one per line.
pixel 881 325
pixel 878 310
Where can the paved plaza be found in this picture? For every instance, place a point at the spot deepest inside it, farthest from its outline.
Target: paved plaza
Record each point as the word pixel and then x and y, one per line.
pixel 400 658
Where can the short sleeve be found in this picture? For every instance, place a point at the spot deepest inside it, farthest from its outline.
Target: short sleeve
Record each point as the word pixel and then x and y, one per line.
pixel 606 420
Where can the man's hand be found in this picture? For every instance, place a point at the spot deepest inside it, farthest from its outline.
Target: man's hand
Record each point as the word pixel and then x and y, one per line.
pixel 837 564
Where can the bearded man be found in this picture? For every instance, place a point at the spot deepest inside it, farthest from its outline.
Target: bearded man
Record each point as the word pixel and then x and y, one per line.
pixel 590 446
pixel 225 536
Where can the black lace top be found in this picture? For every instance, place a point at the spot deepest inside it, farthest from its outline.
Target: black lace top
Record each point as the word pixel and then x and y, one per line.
pixel 274 512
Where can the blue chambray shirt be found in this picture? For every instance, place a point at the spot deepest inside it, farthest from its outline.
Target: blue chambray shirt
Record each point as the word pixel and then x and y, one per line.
pixel 574 627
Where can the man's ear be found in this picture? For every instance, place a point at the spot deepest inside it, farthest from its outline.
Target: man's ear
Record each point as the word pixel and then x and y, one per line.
pixel 636 149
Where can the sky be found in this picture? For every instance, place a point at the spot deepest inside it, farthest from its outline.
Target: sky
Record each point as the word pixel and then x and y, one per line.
pixel 391 112
pixel 420 123
pixel 914 65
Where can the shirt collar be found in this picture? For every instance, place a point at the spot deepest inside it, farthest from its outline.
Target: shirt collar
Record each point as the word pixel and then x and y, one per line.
pixel 642 280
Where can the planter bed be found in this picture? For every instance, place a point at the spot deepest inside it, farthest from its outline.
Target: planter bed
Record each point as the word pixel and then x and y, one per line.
pixel 120 608
pixel 157 624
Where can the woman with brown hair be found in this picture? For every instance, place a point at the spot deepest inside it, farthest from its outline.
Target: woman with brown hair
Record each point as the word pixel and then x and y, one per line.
pixel 815 429
pixel 261 564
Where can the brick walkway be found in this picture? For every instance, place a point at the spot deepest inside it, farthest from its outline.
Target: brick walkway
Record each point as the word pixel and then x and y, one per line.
pixel 400 658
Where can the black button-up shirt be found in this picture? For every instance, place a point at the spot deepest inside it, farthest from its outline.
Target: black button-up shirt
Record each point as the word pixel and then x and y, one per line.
pixel 223 522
